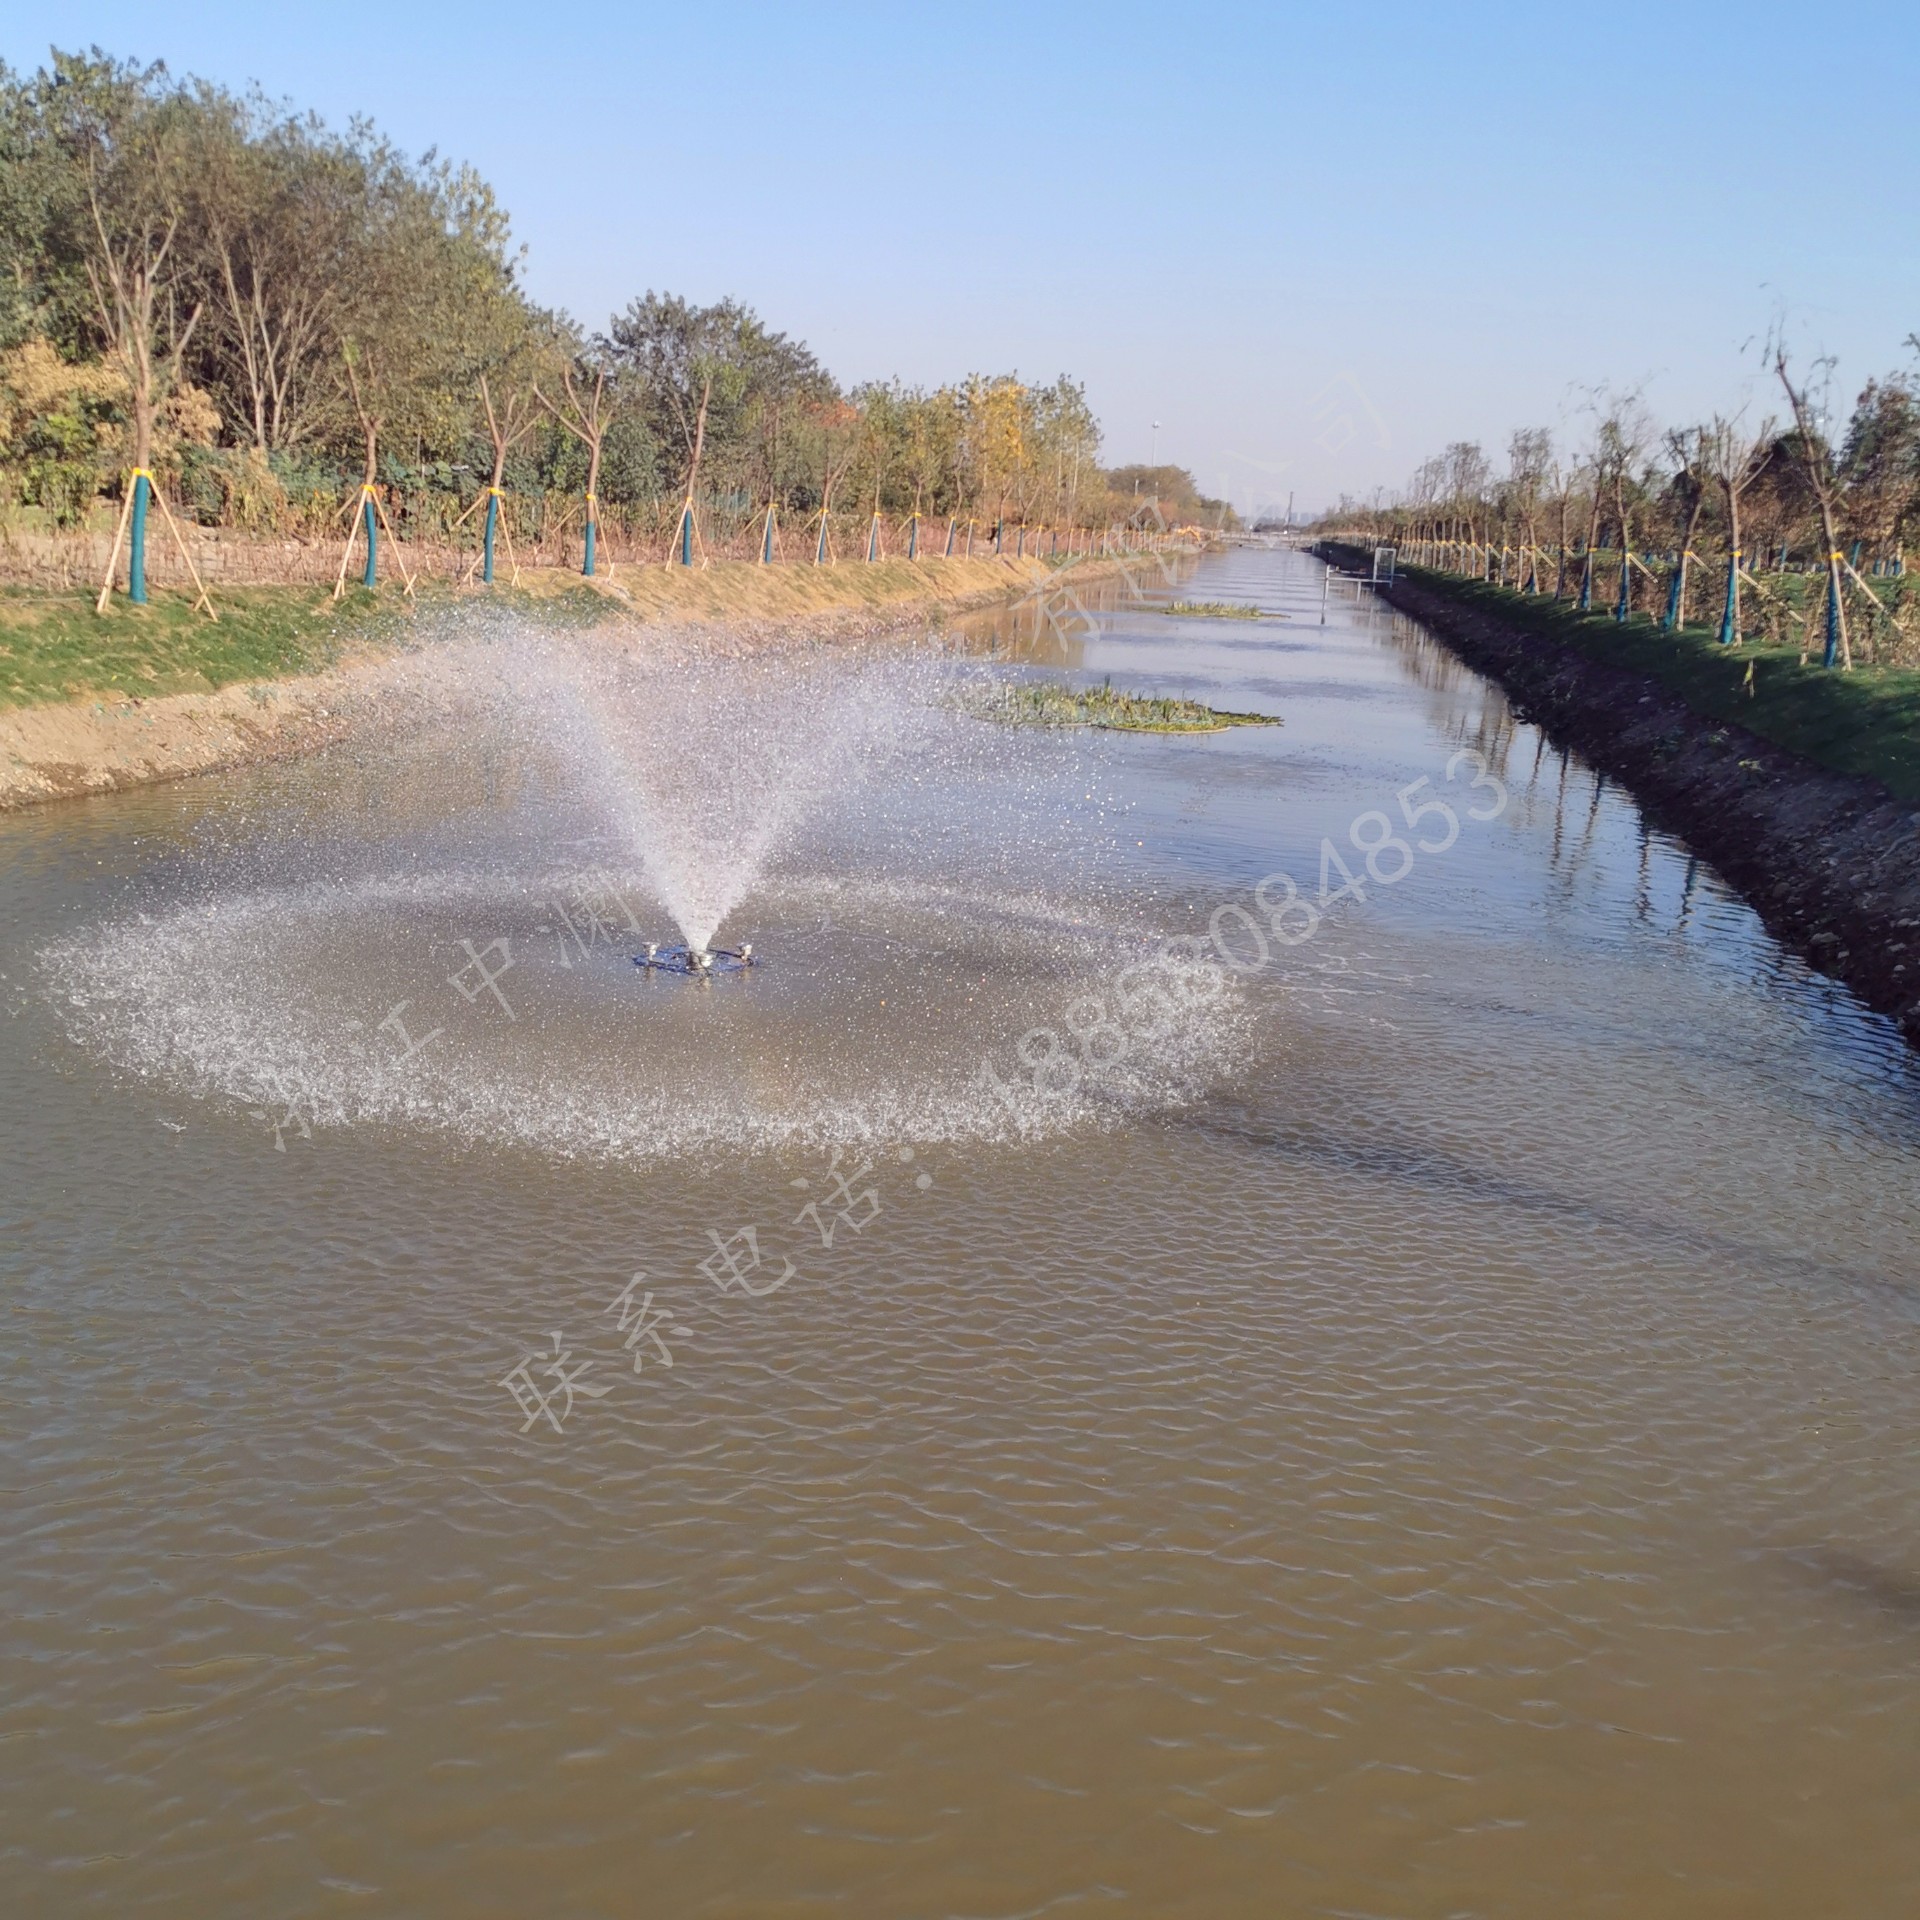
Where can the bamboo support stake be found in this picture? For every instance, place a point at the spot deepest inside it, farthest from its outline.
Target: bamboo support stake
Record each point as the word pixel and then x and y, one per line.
pixel 513 559
pixel 354 514
pixel 490 496
pixel 1879 607
pixel 193 572
pixel 113 555
pixel 1872 600
pixel 473 565
pixel 399 556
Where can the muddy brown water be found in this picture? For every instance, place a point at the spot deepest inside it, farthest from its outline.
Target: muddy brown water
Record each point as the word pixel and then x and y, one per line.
pixel 1424 1426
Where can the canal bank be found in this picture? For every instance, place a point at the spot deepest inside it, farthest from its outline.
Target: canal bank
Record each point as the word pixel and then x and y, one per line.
pixel 100 703
pixel 1829 859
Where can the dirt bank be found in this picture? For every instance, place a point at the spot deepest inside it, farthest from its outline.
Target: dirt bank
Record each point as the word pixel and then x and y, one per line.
pixel 1830 861
pixel 103 742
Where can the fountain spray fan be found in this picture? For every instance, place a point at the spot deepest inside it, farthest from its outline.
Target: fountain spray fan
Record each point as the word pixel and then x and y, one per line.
pixel 695 962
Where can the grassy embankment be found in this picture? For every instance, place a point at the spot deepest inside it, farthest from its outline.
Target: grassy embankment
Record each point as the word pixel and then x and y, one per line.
pixel 53 646
pixel 1863 722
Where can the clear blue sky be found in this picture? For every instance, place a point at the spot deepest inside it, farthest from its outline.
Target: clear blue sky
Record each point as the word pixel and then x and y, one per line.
pixel 1314 243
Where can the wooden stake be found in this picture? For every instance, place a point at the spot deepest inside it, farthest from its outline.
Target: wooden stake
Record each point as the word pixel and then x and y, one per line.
pixel 353 533
pixel 192 570
pixel 399 557
pixel 512 559
pixel 113 557
pixel 1864 588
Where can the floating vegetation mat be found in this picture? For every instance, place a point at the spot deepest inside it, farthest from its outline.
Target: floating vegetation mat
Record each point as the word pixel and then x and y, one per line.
pixel 1046 703
pixel 1219 610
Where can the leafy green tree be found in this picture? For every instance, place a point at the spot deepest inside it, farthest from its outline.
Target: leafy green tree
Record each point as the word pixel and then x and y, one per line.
pixel 713 382
pixel 432 307
pixel 1066 446
pixel 930 447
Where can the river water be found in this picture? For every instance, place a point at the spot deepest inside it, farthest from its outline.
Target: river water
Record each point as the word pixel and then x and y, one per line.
pixel 1420 1426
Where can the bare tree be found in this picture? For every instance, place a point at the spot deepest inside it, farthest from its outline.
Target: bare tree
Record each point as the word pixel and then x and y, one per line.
pixel 839 427
pixel 1620 448
pixel 586 416
pixel 368 509
pixel 509 421
pixel 1530 471
pixel 1816 463
pixel 276 209
pixel 1687 448
pixel 131 148
pixel 1595 471
pixel 1736 457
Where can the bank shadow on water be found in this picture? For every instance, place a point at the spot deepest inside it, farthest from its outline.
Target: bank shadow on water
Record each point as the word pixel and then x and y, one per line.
pixel 1831 860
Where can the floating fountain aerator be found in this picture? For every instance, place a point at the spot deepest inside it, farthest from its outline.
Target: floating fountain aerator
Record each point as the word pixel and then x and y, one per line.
pixel 697 963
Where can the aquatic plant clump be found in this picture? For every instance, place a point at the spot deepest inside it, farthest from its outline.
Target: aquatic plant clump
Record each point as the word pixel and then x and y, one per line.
pixel 1047 703
pixel 1218 610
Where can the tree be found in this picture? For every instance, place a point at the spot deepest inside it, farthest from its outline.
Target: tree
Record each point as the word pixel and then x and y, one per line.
pixel 33 182
pixel 828 438
pixel 709 377
pixel 584 414
pixel 1064 445
pixel 932 445
pixel 1620 445
pixel 1736 458
pixel 509 420
pixel 180 263
pixel 993 415
pixel 279 210
pixel 1880 460
pixel 881 443
pixel 1171 490
pixel 122 130
pixel 55 417
pixel 431 306
pixel 1529 473
pixel 1687 494
pixel 1816 465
